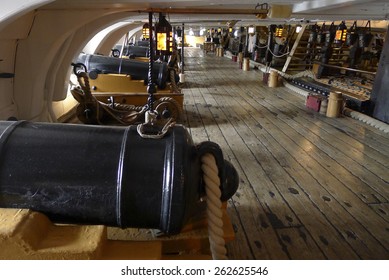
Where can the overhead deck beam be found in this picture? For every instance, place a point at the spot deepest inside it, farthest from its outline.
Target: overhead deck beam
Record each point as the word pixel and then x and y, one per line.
pixel 320 5
pixel 207 11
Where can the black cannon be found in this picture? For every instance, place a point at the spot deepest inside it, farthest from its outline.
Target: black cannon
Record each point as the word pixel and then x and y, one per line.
pixel 138 70
pixel 134 51
pixel 144 43
pixel 106 175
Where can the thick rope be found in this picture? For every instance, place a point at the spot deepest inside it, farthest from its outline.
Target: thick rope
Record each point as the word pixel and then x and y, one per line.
pixel 214 210
pixel 119 112
pixel 367 119
pixel 175 88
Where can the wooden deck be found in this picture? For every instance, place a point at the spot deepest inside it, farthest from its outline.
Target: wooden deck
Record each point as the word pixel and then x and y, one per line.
pixel 311 187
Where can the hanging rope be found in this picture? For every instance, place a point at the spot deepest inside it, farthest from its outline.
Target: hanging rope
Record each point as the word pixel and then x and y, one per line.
pixel 214 204
pixel 282 55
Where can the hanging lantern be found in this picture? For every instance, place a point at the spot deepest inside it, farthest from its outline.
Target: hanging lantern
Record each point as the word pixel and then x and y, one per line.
pixel 352 35
pixel 279 31
pixel 230 30
pixel 314 30
pixel 179 32
pixel 298 28
pixel 330 34
pixel 146 31
pixel 164 36
pixel 341 33
pixel 321 35
pixel 365 36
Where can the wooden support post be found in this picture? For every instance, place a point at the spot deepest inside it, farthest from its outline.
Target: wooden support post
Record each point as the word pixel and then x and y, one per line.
pixel 182 49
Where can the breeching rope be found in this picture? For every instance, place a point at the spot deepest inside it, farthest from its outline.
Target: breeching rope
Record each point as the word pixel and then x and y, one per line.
pixel 214 204
pixel 175 88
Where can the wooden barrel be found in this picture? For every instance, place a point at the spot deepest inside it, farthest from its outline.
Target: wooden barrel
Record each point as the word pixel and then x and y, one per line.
pixel 273 78
pixel 240 57
pixel 246 64
pixel 220 51
pixel 335 104
pixel 323 106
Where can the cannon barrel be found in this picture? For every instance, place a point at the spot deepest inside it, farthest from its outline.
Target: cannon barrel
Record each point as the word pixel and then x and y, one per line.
pixel 105 175
pixel 144 43
pixel 138 70
pixel 134 51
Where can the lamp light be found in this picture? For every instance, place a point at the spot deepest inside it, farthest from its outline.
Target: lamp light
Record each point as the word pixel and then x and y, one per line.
pixel 164 36
pixel 298 28
pixel 341 33
pixel 146 31
pixel 279 31
pixel 251 30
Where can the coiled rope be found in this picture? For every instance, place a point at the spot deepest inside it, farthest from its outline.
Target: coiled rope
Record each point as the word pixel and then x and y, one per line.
pixel 214 204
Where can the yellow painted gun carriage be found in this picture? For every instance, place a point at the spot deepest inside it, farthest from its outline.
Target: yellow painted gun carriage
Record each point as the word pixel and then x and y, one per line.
pixel 116 90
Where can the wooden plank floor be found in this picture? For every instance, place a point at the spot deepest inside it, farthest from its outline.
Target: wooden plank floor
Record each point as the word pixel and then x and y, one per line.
pixel 311 187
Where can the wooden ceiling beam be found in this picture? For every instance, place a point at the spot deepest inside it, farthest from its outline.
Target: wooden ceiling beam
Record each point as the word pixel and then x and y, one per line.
pixel 207 11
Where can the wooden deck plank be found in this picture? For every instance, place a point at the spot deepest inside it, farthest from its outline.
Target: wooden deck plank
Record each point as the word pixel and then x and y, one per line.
pixel 299 201
pixel 326 179
pixel 253 228
pixel 315 140
pixel 264 145
pixel 376 147
pixel 361 154
pixel 352 127
pixel 381 209
pixel 335 189
pixel 342 250
pixel 346 159
pixel 299 244
pixel 238 248
pixel 263 186
pixel 259 181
